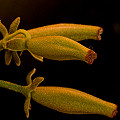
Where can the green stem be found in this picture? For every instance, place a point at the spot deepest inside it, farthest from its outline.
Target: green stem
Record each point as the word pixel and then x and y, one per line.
pixel 13 87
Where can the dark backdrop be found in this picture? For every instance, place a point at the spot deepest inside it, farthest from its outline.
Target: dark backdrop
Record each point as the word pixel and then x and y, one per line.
pixel 100 79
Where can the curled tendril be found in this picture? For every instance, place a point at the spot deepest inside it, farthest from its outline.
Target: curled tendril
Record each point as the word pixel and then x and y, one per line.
pixel 10 35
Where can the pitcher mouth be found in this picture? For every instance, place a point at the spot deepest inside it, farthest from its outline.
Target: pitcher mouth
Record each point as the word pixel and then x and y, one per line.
pixel 90 57
pixel 100 31
pixel 114 112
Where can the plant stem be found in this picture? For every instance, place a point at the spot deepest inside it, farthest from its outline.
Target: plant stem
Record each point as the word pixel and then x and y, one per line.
pixel 13 87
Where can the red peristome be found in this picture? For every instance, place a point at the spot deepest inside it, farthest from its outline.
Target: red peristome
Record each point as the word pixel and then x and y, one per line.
pixel 114 112
pixel 91 55
pixel 100 31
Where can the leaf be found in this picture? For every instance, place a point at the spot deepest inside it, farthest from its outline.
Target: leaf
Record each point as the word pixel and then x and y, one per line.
pixel 40 58
pixel 14 25
pixel 16 58
pixel 8 57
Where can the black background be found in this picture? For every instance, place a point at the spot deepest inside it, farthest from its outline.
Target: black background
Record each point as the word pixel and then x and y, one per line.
pixel 100 79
